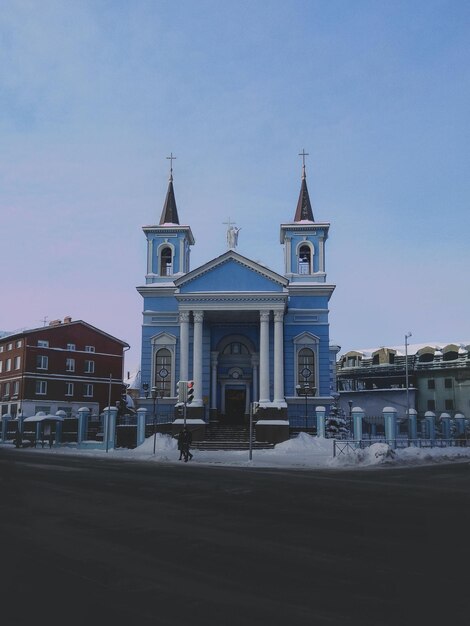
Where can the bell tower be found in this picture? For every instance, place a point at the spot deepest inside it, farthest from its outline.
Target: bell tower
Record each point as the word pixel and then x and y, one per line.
pixel 168 244
pixel 304 240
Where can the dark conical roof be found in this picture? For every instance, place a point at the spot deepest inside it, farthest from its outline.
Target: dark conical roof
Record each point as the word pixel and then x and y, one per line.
pixel 304 208
pixel 170 212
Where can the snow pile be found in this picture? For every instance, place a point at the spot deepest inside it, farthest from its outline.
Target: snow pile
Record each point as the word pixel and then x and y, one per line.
pixel 376 454
pixel 302 452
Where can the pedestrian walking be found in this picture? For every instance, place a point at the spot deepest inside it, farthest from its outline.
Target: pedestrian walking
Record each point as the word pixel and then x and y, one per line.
pixel 185 439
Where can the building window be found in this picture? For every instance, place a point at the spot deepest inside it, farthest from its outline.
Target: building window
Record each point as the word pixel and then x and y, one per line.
pixel 1 367
pixel 10 346
pixel 375 359
pixel 2 348
pixel 163 371
pixel 306 367
pixel 449 405
pixel 19 343
pixel 69 389
pixel 88 390
pixel 6 390
pixel 431 383
pixel 43 343
pixel 89 348
pixel 42 362
pixel 448 383
pixel 71 346
pixel 235 348
pixel 42 409
pixel 8 365
pixel 17 362
pixel 89 367
pixel 41 387
pixel 69 365
pixel 431 405
pixel 305 260
pixel 16 387
pixel 166 266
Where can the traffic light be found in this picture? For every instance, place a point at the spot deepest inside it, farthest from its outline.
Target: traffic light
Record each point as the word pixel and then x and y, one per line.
pixel 190 394
pixel 182 390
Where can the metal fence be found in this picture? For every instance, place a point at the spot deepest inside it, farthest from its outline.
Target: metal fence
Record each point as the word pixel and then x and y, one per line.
pixel 345 446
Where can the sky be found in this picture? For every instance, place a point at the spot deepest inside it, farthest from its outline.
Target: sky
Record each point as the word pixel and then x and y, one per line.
pixel 303 452
pixel 95 95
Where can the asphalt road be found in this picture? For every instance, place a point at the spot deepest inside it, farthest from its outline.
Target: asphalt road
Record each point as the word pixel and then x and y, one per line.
pixel 87 541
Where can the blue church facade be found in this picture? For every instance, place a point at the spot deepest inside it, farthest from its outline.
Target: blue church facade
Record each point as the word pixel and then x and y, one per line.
pixel 241 331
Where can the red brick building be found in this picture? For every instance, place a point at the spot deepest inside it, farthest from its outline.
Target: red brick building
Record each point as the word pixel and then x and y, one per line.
pixel 63 366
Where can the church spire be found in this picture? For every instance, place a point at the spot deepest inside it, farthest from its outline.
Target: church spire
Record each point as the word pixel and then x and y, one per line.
pixel 170 212
pixel 304 208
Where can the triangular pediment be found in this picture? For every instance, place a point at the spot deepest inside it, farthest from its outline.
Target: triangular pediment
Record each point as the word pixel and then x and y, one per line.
pixel 231 272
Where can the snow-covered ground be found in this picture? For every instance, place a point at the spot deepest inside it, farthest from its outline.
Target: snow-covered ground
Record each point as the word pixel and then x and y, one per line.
pixel 303 452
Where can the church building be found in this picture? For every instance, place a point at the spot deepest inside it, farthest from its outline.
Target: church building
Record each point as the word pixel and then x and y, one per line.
pixel 242 332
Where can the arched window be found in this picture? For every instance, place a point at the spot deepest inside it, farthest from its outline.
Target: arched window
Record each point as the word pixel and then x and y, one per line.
pixel 235 347
pixel 163 371
pixel 306 367
pixel 166 265
pixel 305 260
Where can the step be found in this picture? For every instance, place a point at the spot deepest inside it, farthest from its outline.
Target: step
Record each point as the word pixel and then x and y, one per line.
pixel 231 445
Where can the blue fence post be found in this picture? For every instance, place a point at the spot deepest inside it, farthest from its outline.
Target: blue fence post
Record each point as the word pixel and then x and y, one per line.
pixel 413 424
pixel 445 425
pixel 390 422
pixel 5 419
pixel 83 417
pixel 320 411
pixel 141 421
pixel 430 425
pixel 459 423
pixel 358 416
pixel 109 429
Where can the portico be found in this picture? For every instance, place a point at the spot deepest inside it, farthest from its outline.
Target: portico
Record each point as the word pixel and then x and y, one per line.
pixel 242 332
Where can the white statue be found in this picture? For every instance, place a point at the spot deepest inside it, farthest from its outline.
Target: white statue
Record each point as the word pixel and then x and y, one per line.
pixel 232 236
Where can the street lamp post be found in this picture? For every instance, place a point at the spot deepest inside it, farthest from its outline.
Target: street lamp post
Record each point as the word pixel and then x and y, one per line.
pixel 155 395
pixel 350 402
pixel 407 335
pixel 306 391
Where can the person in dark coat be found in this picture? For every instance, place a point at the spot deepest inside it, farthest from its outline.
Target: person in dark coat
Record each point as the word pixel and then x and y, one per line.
pixel 185 439
pixel 180 444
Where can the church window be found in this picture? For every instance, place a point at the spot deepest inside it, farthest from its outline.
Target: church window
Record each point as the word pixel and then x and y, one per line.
pixel 306 367
pixel 305 259
pixel 235 348
pixel 163 371
pixel 166 264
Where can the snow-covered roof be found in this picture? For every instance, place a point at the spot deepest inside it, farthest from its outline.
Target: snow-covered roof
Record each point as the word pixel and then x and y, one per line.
pixel 133 381
pixel 413 348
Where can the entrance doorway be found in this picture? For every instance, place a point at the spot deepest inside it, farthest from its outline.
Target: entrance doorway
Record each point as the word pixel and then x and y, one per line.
pixel 235 400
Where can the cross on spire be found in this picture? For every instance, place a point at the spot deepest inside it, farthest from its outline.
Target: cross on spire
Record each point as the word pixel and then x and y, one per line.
pixel 303 154
pixel 171 158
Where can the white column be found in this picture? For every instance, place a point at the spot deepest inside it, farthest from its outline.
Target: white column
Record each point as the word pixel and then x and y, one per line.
pixel 264 357
pixel 279 357
pixel 149 255
pixel 254 365
pixel 184 344
pixel 197 357
pixel 214 358
pixel 288 252
pixel 247 399
pixel 321 255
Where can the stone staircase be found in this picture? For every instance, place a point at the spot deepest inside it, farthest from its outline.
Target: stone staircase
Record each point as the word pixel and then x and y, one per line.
pixel 231 437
